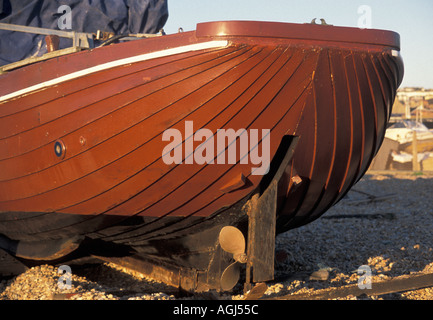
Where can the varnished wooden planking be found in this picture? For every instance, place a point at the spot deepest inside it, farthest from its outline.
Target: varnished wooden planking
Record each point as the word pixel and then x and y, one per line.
pixel 333 90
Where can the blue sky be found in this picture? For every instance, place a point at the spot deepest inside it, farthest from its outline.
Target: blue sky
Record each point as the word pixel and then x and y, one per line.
pixel 413 20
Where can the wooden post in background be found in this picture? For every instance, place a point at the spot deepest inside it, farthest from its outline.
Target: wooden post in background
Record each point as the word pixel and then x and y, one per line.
pixel 415 163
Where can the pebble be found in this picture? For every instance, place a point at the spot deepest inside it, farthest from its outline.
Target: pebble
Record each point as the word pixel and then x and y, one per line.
pixel 320 275
pixel 326 252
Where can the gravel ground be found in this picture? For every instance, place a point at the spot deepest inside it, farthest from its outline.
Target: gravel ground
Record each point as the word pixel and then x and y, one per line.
pixel 391 235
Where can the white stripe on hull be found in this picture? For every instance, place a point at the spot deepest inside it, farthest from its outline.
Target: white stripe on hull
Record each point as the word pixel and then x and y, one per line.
pixel 117 63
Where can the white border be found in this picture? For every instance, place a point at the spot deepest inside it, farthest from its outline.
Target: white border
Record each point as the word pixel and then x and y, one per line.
pixel 113 64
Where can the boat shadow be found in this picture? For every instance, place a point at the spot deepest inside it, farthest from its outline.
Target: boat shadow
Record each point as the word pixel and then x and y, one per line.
pixel 119 282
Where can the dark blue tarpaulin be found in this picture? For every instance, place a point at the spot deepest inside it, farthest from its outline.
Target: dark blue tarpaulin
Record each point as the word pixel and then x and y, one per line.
pixel 117 16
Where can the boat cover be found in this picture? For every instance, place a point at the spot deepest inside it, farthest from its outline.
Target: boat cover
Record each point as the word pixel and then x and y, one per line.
pixel 117 16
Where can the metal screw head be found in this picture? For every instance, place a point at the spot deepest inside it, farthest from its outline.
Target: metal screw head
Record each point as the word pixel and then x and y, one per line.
pixel 82 141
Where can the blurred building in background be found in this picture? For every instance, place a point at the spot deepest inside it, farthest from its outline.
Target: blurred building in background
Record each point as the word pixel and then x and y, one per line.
pixel 408 143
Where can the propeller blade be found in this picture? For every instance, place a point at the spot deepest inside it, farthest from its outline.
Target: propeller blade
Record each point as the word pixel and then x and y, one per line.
pixel 232 240
pixel 230 276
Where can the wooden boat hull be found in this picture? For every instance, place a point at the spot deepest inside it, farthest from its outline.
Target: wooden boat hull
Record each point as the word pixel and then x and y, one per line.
pixel 81 139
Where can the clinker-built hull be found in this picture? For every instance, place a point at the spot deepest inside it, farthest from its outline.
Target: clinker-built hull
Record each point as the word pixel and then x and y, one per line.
pixel 84 147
